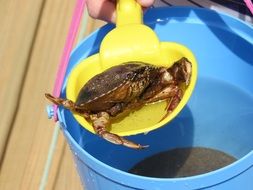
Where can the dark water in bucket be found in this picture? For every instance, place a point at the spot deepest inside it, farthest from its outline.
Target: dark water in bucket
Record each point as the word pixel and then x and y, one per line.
pixel 182 162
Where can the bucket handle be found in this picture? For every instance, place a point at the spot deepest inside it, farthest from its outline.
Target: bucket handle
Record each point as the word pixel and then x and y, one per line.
pixel 72 33
pixel 249 4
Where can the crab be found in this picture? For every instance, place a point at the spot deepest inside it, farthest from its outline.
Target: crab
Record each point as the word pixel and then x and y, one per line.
pixel 128 86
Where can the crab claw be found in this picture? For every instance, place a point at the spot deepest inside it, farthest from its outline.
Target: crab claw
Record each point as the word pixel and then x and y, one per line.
pixel 100 121
pixel 181 70
pixel 113 138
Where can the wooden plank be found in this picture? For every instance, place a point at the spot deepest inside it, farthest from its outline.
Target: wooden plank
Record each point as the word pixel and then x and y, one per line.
pixel 28 143
pixel 18 21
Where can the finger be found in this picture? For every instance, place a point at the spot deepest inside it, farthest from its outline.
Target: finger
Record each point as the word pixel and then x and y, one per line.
pixel 102 9
pixel 146 3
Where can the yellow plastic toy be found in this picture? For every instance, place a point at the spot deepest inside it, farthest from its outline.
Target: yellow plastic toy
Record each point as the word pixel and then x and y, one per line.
pixel 131 40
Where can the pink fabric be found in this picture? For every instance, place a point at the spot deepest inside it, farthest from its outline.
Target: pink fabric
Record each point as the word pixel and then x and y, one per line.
pixel 249 5
pixel 76 19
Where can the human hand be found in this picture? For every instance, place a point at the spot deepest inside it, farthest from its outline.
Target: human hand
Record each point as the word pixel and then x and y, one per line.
pixel 105 9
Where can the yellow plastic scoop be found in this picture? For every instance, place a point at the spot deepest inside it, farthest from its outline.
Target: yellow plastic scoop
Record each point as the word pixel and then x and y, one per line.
pixel 131 40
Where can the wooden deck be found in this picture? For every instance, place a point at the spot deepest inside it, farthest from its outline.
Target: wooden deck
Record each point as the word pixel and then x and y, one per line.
pixel 32 38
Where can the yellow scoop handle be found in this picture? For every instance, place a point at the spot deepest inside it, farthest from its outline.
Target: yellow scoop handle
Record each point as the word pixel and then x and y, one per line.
pixel 131 40
pixel 128 12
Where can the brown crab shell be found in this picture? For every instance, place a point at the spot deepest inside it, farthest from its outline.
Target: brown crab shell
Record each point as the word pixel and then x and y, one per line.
pixel 103 90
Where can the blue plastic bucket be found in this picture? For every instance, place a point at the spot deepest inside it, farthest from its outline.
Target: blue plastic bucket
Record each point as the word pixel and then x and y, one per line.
pixel 219 114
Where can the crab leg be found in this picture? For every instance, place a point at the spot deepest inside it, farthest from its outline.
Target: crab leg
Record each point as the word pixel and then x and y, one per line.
pixel 68 104
pixel 166 93
pixel 172 94
pixel 173 102
pixel 101 121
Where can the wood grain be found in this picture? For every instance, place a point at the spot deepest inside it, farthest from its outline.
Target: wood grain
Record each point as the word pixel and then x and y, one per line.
pixel 30 63
pixel 32 38
pixel 18 25
pixel 33 35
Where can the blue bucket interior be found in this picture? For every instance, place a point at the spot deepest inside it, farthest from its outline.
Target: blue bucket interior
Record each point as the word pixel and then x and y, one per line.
pixel 219 114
